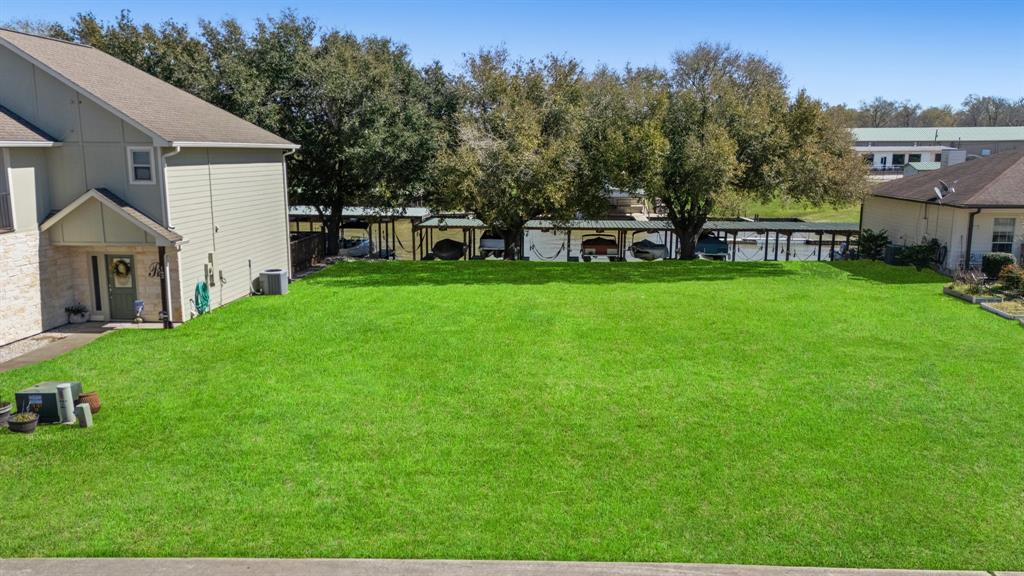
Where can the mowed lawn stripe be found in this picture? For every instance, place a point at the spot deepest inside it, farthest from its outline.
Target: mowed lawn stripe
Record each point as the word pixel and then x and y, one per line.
pixel 765 413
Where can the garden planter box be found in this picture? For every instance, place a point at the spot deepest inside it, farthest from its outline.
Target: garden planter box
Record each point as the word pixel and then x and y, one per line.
pixel 972 298
pixel 1003 314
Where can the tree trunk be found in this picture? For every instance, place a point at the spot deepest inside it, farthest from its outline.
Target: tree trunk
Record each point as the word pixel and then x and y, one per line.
pixel 513 243
pixel 688 230
pixel 332 227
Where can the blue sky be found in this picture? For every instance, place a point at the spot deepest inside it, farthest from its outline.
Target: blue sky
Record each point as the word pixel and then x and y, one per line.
pixel 933 52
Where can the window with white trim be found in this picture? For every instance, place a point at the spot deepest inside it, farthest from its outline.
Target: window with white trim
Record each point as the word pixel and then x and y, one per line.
pixel 6 209
pixel 1002 234
pixel 140 166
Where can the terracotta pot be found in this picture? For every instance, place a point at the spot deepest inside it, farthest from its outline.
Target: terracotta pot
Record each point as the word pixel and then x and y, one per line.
pixel 24 427
pixel 90 398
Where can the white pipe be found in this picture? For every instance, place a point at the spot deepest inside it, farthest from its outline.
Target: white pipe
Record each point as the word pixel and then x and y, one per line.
pixel 167 220
pixel 287 218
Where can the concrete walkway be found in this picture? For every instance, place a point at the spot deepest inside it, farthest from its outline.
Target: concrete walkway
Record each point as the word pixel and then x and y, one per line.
pixel 271 567
pixel 61 340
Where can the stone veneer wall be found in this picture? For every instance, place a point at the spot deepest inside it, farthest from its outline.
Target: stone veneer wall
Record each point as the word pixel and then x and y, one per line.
pixel 37 280
pixel 32 297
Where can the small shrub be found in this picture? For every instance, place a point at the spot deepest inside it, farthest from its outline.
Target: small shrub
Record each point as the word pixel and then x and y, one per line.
pixel 1012 278
pixel 872 244
pixel 993 263
pixel 920 256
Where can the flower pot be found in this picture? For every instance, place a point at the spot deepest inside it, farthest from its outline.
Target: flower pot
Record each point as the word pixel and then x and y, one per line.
pixel 24 427
pixel 90 398
pixel 5 413
pixel 78 318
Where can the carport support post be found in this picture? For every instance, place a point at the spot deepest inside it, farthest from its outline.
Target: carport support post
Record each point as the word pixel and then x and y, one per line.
pixel 789 237
pixel 735 241
pixel 568 245
pixel 832 248
pixel 765 245
pixel 819 247
pixel 776 246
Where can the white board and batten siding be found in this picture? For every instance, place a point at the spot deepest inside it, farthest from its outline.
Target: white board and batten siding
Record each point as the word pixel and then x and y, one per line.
pixel 229 203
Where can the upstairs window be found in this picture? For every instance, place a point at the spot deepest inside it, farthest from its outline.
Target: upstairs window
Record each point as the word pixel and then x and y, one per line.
pixel 1002 234
pixel 914 158
pixel 140 165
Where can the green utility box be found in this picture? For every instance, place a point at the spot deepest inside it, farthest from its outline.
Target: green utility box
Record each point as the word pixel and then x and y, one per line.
pixel 42 399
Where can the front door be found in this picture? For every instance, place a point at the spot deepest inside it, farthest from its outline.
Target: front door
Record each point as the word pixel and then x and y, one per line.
pixel 121 287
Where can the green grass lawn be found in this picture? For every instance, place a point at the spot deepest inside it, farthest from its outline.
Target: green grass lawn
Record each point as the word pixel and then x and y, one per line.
pixel 767 413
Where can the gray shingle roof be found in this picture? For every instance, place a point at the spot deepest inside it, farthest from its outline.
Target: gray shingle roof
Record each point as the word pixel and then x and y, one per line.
pixel 15 131
pixel 154 106
pixel 996 181
pixel 942 134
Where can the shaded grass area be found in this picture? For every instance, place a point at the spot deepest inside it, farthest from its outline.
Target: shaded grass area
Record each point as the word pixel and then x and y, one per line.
pixel 765 413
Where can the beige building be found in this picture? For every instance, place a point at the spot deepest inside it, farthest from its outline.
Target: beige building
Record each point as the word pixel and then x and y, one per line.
pixel 971 208
pixel 116 187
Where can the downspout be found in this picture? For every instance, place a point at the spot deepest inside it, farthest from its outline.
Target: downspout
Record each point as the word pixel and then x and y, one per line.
pixel 970 238
pixel 287 218
pixel 165 288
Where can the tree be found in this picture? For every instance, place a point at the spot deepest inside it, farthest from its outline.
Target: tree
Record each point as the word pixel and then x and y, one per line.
pixel 936 116
pixel 985 111
pixel 878 113
pixel 727 128
pixel 844 115
pixel 366 133
pixel 905 114
pixel 518 154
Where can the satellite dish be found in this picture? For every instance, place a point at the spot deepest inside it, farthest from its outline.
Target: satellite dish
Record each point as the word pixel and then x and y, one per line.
pixel 938 193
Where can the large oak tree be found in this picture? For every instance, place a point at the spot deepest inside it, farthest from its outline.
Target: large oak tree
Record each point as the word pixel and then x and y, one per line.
pixel 718 124
pixel 518 152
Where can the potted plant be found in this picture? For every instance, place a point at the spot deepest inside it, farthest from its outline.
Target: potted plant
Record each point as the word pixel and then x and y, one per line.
pixel 5 413
pixel 91 398
pixel 77 313
pixel 24 422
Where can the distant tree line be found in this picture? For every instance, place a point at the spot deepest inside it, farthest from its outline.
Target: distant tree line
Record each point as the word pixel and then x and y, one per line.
pixel 975 110
pixel 506 139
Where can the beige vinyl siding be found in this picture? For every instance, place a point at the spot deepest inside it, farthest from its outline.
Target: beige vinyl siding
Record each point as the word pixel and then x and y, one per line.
pixel 898 218
pixel 229 203
pixel 188 186
pixel 250 214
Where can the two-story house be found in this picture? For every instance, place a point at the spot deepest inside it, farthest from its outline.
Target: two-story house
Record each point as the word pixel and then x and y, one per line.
pixel 116 186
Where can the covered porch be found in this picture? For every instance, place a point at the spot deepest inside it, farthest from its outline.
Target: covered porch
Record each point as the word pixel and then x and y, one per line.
pixel 108 256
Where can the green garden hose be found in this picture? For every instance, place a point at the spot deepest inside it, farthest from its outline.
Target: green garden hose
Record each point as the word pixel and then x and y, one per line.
pixel 202 298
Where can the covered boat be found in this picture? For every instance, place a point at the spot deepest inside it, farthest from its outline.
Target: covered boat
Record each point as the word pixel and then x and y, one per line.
pixel 599 245
pixel 648 250
pixel 449 249
pixel 354 247
pixel 492 245
pixel 711 247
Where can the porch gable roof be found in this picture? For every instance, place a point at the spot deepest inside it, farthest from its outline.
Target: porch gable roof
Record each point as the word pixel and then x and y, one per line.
pixel 163 236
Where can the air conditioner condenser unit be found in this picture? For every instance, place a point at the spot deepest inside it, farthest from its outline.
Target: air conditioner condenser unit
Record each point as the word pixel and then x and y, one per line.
pixel 274 281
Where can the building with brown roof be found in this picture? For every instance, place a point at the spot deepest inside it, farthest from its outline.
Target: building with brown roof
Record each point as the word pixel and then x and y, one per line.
pixel 971 208
pixel 117 187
